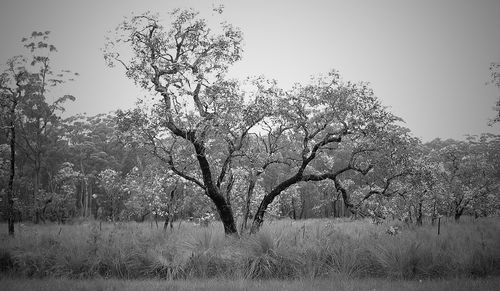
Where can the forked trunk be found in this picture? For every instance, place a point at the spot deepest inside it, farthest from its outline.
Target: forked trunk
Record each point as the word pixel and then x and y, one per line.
pixel 223 206
pixel 459 210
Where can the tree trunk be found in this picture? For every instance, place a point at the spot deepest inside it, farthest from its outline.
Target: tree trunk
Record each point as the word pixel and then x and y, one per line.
pixel 302 208
pixel 433 220
pixel 334 208
pixel 248 199
pixel 36 186
pixel 410 217
pixel 143 217
pixel 294 211
pixel 325 210
pixel 82 196
pixel 10 191
pixel 419 214
pixel 83 200
pixel 458 214
pixel 167 220
pixel 89 195
pixel 225 214
pixel 268 199
pixel 222 205
pixel 113 207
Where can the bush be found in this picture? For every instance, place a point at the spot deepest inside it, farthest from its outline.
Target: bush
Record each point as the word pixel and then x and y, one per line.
pixel 6 263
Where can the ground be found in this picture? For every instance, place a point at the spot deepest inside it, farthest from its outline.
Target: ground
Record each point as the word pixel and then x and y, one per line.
pixel 484 284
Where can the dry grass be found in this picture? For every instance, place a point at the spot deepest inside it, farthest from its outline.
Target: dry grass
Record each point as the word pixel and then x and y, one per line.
pixel 286 249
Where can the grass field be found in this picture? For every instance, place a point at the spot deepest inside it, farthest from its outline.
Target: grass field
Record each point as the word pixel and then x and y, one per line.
pixel 299 252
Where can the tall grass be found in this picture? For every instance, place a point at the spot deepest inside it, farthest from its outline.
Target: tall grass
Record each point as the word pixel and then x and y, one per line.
pixel 283 249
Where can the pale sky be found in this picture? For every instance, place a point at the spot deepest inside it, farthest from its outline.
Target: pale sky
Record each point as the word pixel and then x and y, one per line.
pixel 426 60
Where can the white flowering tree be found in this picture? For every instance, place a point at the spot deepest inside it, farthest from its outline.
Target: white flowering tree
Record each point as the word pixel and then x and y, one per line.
pixel 154 190
pixel 62 199
pixel 114 194
pixel 469 173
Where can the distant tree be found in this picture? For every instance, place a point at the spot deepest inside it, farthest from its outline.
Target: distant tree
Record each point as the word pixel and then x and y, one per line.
pixel 114 195
pixel 495 80
pixel 62 196
pixel 94 144
pixel 390 156
pixel 468 171
pixel 11 83
pixel 25 84
pixel 153 191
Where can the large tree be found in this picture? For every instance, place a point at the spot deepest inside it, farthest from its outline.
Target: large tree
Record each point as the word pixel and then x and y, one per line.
pixel 200 123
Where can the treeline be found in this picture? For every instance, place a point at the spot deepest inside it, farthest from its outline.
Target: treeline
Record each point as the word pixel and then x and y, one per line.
pixel 82 166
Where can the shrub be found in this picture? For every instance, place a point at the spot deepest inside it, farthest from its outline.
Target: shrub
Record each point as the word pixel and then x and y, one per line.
pixel 6 262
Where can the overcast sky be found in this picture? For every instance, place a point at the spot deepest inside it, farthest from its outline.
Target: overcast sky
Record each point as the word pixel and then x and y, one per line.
pixel 426 60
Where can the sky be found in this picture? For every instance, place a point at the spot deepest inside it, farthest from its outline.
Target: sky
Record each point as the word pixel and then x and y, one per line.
pixel 427 60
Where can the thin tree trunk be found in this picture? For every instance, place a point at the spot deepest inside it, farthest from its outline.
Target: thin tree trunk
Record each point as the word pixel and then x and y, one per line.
pixel 10 191
pixel 458 214
pixel 167 220
pixel 334 208
pixel 35 192
pixel 82 196
pixel 248 199
pixel 143 217
pixel 86 199
pixel 433 221
pixel 419 214
pixel 89 195
pixel 294 211
pixel 302 208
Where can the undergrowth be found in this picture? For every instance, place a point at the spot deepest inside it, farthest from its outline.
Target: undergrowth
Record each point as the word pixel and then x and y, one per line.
pixel 283 249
